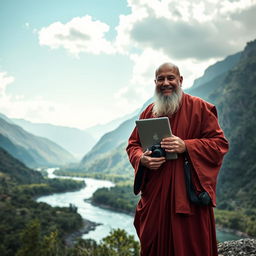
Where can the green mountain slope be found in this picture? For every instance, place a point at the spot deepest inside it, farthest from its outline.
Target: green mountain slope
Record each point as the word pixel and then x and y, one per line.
pixel 18 187
pixel 43 151
pixel 15 171
pixel 110 140
pixel 236 102
pixel 19 152
pixel 114 162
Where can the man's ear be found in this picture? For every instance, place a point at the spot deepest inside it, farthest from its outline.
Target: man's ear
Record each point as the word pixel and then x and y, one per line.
pixel 181 80
pixel 155 81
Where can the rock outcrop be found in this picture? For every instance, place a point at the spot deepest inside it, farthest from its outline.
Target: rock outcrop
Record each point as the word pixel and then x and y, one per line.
pixel 242 247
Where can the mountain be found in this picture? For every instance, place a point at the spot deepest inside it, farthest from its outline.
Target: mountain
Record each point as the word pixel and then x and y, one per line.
pixel 39 151
pixel 217 69
pixel 18 151
pixel 7 119
pixel 100 129
pixel 12 170
pixel 114 161
pixel 236 101
pixel 76 141
pixel 110 141
pixel 213 77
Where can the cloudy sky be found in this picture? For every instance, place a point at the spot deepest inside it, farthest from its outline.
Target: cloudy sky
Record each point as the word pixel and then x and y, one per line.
pixel 82 62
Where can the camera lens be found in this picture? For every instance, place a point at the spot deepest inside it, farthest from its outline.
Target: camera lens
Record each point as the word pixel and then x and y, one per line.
pixel 157 151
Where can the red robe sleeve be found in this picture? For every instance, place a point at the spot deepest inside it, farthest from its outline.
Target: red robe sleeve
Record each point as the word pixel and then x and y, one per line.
pixel 135 151
pixel 206 153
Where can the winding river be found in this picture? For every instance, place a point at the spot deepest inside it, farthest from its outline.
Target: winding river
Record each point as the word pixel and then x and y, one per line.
pixel 108 219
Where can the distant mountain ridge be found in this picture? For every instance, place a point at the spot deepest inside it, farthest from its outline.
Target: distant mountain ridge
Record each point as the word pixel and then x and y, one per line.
pixel 33 150
pixel 97 131
pixel 76 141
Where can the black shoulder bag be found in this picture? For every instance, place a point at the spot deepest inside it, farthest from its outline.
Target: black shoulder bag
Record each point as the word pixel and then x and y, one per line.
pixel 203 198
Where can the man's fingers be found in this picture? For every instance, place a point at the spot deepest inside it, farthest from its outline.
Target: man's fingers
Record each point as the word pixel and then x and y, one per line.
pixel 159 163
pixel 168 139
pixel 147 153
pixel 157 159
pixel 169 142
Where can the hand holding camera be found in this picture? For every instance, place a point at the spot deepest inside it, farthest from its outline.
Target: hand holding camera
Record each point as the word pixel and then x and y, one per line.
pixel 152 163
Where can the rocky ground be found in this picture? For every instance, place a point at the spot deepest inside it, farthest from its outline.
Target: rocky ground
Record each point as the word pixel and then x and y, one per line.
pixel 242 247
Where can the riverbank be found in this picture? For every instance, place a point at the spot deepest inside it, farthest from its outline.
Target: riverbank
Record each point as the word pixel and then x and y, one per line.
pixel 110 208
pixel 87 226
pixel 233 231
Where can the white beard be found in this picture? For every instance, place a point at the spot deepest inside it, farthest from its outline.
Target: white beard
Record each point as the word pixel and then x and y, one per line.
pixel 167 104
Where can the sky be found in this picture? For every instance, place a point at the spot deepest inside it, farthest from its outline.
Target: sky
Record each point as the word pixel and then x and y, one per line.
pixel 78 63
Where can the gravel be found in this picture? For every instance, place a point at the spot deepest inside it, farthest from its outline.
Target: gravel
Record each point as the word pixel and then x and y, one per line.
pixel 242 247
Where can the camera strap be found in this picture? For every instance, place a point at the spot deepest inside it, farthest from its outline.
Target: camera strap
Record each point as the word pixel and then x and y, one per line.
pixel 203 198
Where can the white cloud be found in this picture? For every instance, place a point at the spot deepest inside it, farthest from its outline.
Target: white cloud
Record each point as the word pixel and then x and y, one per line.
pixel 76 36
pixel 5 80
pixel 181 29
pixel 187 29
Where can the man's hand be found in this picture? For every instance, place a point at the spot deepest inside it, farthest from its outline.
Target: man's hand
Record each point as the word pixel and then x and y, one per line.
pixel 152 163
pixel 173 144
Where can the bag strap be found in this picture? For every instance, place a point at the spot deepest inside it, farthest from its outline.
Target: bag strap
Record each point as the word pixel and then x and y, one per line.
pixel 189 185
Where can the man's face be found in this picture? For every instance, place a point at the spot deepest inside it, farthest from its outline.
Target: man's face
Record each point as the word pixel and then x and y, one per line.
pixel 167 80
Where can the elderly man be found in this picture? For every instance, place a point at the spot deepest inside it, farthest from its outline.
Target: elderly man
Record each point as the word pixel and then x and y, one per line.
pixel 167 223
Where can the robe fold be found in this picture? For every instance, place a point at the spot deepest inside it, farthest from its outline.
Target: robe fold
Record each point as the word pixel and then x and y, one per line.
pixel 166 222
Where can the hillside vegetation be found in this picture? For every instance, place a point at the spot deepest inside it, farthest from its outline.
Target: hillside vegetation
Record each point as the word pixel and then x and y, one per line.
pixel 19 212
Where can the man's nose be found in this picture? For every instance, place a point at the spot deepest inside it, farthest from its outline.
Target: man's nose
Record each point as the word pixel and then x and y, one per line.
pixel 166 82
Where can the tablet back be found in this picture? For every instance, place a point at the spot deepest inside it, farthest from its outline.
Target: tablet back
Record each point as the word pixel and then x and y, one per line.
pixel 152 131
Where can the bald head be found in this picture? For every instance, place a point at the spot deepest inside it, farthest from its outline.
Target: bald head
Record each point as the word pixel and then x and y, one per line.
pixel 167 66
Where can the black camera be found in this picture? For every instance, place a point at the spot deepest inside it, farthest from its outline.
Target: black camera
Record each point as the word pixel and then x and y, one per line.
pixel 157 151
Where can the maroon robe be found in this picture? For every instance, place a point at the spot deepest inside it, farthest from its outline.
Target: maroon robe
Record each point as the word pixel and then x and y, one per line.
pixel 166 222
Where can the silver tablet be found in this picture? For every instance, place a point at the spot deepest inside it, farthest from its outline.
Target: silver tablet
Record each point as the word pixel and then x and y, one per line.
pixel 152 131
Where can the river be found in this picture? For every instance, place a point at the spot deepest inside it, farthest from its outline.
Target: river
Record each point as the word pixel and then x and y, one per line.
pixel 108 219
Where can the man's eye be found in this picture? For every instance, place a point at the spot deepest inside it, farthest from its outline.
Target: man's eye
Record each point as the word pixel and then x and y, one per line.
pixel 169 78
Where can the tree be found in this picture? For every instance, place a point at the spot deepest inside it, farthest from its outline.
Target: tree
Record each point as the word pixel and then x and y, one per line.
pixel 119 243
pixel 51 245
pixel 30 239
